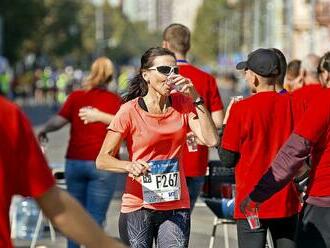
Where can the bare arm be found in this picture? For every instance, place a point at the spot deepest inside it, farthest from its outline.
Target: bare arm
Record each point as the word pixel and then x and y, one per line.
pixel 217 117
pixel 106 160
pixel 54 123
pixel 94 115
pixel 203 127
pixel 70 218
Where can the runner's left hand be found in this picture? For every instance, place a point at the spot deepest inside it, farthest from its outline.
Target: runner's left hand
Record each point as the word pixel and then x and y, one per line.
pixel 139 168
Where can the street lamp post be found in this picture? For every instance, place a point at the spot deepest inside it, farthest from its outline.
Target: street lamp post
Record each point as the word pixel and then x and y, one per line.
pixel 256 24
pixel 289 18
pixel 99 26
pixel 312 30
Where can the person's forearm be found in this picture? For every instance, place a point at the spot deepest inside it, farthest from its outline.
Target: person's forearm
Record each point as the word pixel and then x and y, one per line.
pixel 286 164
pixel 105 161
pixel 105 117
pixel 208 129
pixel 70 218
pixel 218 117
pixel 54 123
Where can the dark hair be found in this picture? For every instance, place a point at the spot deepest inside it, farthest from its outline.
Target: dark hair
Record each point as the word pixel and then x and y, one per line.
pixel 178 37
pixel 294 68
pixel 138 86
pixel 283 65
pixel 324 64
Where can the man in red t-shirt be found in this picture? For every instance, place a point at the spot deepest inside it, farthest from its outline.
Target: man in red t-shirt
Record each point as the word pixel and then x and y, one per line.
pixel 256 129
pixel 311 136
pixel 24 171
pixel 306 85
pixel 176 38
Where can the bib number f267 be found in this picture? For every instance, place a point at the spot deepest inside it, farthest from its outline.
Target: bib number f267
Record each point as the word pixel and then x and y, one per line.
pixel 162 184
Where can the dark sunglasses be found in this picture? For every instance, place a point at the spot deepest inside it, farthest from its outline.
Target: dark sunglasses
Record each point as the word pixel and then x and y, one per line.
pixel 165 69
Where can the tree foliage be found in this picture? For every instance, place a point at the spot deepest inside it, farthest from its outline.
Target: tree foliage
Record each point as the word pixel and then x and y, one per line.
pixel 217 30
pixel 20 20
pixel 64 30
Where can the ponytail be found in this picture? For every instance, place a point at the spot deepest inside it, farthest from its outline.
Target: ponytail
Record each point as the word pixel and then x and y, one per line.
pixel 137 87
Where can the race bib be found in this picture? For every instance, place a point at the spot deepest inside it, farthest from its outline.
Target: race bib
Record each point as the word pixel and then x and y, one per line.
pixel 162 184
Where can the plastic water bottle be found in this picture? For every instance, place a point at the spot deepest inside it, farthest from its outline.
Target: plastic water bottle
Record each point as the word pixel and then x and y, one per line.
pixel 27 217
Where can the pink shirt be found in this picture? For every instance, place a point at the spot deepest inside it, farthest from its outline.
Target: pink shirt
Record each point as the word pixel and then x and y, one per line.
pixel 154 137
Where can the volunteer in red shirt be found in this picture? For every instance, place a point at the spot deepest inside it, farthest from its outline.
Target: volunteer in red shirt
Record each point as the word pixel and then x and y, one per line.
pixel 89 112
pixel 24 171
pixel 307 85
pixel 176 38
pixel 256 129
pixel 160 107
pixel 311 136
pixel 324 70
pixel 292 74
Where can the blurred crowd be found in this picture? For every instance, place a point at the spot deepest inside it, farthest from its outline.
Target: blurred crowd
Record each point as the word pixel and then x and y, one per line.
pixel 50 85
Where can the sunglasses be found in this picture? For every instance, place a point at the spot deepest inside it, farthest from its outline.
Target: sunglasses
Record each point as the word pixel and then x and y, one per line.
pixel 165 69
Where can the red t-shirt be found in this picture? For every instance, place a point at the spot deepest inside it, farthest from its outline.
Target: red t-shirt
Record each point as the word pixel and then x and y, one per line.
pixel 23 168
pixel 151 137
pixel 301 99
pixel 195 163
pixel 257 128
pixel 315 127
pixel 86 140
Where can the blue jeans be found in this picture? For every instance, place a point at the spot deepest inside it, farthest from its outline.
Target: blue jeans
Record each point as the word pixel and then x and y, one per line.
pixel 170 228
pixel 195 185
pixel 93 188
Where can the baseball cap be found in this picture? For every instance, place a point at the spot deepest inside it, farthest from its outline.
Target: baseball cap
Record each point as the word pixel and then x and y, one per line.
pixel 262 61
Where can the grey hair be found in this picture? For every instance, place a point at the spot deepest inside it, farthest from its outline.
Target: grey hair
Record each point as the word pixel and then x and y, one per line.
pixel 309 64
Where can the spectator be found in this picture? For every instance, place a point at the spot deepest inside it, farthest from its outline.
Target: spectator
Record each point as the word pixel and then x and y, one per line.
pixel 24 171
pixel 324 70
pixel 89 111
pixel 292 73
pixel 176 38
pixel 256 129
pixel 310 136
pixel 308 85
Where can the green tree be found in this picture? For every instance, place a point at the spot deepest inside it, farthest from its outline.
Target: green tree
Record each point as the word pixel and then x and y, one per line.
pixel 218 30
pixel 65 29
pixel 20 19
pixel 126 40
pixel 59 33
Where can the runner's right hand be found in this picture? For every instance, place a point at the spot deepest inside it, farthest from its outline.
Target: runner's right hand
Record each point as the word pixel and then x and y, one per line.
pixel 138 168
